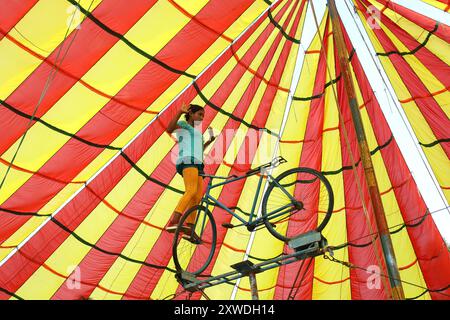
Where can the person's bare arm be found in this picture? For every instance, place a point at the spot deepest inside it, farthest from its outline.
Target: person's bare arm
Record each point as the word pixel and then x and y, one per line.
pixel 211 138
pixel 172 126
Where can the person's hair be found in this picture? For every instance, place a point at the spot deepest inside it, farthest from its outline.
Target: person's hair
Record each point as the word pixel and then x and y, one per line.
pixel 192 108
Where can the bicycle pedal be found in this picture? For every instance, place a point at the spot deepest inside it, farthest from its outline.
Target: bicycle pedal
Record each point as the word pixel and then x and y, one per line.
pixel 191 239
pixel 227 225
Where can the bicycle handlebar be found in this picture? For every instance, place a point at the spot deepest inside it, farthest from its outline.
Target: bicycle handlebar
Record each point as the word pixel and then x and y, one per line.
pixel 274 163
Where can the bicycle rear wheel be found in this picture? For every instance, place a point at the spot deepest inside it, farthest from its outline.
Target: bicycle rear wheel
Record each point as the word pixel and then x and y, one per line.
pixel 297 201
pixel 194 256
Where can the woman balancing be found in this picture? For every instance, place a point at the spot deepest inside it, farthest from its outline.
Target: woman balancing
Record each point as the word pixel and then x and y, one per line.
pixel 189 163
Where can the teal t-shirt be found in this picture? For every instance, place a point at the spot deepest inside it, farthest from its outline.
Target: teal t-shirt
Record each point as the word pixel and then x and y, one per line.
pixel 190 143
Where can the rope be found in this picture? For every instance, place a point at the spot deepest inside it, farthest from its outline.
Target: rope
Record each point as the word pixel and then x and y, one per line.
pixel 353 266
pixel 292 297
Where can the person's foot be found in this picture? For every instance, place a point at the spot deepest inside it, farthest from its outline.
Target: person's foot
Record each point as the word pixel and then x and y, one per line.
pixel 173 224
pixel 190 235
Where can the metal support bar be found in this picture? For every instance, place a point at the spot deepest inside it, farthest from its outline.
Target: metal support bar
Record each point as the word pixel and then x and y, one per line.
pixel 253 286
pixel 307 245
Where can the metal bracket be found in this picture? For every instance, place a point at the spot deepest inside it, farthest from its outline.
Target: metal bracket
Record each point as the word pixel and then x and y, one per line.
pixel 310 244
pixel 246 267
pixel 188 281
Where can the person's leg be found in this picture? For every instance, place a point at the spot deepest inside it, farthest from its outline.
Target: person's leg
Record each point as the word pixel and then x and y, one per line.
pixel 190 175
pixel 198 196
pixel 196 200
pixel 190 234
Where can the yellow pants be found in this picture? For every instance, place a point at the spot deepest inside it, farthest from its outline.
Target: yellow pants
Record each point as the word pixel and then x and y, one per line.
pixel 193 184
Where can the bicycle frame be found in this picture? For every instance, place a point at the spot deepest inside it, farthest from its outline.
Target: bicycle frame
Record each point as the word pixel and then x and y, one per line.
pixel 252 221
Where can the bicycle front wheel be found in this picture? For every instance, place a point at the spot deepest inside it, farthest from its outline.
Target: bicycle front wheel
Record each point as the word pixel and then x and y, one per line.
pixel 297 201
pixel 193 249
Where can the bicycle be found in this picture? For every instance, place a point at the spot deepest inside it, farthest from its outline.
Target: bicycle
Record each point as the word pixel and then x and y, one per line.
pixel 300 189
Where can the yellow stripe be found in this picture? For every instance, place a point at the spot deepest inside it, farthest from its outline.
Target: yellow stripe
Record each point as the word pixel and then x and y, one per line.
pixel 437 4
pixel 16 64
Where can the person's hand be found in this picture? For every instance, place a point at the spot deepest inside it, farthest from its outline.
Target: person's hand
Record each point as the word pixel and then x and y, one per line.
pixel 184 108
pixel 211 134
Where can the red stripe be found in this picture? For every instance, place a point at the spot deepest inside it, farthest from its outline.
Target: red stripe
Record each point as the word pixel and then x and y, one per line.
pixel 106 125
pixel 258 75
pixel 12 12
pixel 15 167
pixel 428 245
pixel 385 6
pixel 311 157
pixel 193 18
pixel 146 280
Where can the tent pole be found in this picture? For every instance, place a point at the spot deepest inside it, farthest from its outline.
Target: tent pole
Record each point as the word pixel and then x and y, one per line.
pixel 253 286
pixel 369 172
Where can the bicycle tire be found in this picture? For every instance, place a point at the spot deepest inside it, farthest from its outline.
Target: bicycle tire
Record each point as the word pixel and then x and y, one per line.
pixel 203 255
pixel 270 226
